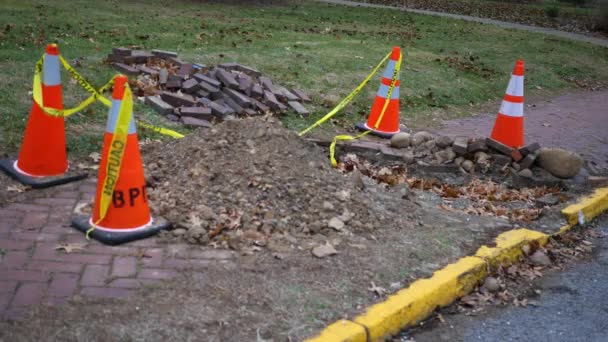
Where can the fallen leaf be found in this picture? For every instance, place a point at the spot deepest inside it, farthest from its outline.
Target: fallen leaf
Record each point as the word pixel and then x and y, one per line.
pixel 379 291
pixel 70 247
pixel 18 188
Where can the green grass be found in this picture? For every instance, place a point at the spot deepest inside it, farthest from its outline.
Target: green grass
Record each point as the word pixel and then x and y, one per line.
pixel 325 50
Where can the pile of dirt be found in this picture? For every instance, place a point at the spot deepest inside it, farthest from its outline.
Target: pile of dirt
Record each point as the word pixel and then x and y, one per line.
pixel 244 181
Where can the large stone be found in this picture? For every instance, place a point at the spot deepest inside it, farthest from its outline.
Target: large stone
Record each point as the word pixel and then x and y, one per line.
pixel 421 137
pixel 444 141
pixel 446 155
pixel 460 145
pixel 560 163
pixel 401 140
pixel 159 105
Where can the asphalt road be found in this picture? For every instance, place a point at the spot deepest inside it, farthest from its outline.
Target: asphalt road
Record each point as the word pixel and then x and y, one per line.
pixel 573 306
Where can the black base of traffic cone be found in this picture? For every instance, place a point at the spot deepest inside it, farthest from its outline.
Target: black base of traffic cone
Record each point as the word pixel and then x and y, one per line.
pixel 362 126
pixel 8 165
pixel 117 237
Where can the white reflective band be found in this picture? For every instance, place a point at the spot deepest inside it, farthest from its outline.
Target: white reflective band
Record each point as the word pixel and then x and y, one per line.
pixel 383 92
pixel 512 109
pixel 516 86
pixel 113 117
pixel 390 68
pixel 121 230
pixel 51 75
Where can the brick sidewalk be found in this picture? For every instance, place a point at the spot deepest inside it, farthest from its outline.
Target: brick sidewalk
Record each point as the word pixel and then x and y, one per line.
pixel 33 272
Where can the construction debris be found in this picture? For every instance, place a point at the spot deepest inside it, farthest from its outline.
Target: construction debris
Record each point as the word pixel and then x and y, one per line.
pixel 170 85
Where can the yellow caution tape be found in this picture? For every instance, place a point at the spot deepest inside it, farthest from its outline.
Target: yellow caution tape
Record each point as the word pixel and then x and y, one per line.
pixel 347 99
pixel 116 153
pixel 161 130
pixel 332 147
pixel 96 95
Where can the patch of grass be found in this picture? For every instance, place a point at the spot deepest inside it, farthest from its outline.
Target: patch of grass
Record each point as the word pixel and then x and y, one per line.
pixel 323 49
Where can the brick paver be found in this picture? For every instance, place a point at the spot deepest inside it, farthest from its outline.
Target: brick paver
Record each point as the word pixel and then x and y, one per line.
pixel 33 271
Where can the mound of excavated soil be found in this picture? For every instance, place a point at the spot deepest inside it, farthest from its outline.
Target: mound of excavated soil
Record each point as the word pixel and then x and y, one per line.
pixel 246 180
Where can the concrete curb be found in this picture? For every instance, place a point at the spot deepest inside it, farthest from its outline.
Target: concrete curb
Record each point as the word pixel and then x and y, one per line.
pixel 413 304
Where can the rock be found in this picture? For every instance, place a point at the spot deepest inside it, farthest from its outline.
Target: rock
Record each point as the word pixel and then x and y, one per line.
pixel 481 157
pixel 468 166
pixel 328 206
pixel 178 232
pixel 548 200
pixel 458 161
pixel 559 162
pixel 324 251
pixel 401 140
pixel 539 258
pixel 526 173
pixel 358 180
pixel 421 137
pixel 430 145
pixel 330 101
pixel 336 224
pixel 491 284
pixel 526 249
pixel 446 155
pixel 444 141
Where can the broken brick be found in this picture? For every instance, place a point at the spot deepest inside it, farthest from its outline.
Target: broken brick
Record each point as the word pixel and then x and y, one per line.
pixel 530 148
pixel 227 79
pixel 146 70
pixel 241 99
pixel 196 112
pixel 186 70
pixel 125 69
pixel 271 100
pixel 460 145
pixel 163 53
pixel 501 159
pixel 178 100
pixel 478 145
pixel 159 105
pixel 163 75
pixel 121 51
pixel 229 66
pixel 203 78
pixel 257 91
pixel 194 122
pixel 302 95
pixel 140 56
pixel 190 86
pixel 528 160
pixel 297 106
pixel 498 146
pixel 516 155
pixel 288 95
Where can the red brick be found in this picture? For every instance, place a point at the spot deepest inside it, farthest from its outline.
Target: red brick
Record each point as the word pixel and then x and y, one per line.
pixel 46 251
pixel 24 275
pixel 113 250
pixel 55 301
pixel 34 220
pixel 27 207
pixel 95 275
pixel 152 257
pixel 130 283
pixel 55 228
pixel 7 213
pixel 14 260
pixel 63 285
pixel 214 254
pixel 5 298
pixel 105 292
pixel 29 294
pixel 13 245
pixel 33 236
pixel 124 266
pixel 179 251
pixel 8 224
pixel 52 266
pixel 7 286
pixel 54 201
pixel 156 273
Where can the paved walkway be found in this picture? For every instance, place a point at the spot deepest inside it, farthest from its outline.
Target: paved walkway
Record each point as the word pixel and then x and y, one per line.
pixel 563 34
pixel 33 271
pixel 577 121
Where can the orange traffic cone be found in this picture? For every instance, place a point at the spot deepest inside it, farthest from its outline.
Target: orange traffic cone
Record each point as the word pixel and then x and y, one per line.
pixel 389 125
pixel 43 159
pixel 128 215
pixel 509 125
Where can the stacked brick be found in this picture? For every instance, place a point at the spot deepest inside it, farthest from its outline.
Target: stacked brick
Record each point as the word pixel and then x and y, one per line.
pixel 197 95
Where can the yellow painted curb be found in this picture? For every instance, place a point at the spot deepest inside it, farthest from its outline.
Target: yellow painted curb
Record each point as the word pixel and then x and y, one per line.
pixel 409 306
pixel 343 330
pixel 591 206
pixel 508 246
pixel 415 303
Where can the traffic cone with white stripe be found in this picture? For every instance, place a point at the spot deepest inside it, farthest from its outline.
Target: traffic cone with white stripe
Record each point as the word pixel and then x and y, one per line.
pixel 509 125
pixel 128 215
pixel 389 125
pixel 42 160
